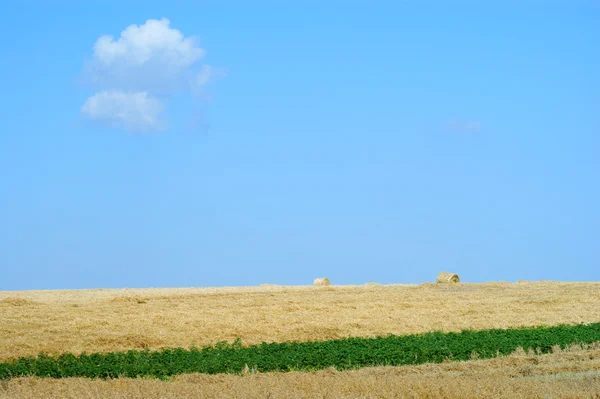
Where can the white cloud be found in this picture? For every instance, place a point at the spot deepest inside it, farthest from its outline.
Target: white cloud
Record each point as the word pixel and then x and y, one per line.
pixel 144 62
pixel 134 111
pixel 463 126
pixel 141 44
pixel 152 56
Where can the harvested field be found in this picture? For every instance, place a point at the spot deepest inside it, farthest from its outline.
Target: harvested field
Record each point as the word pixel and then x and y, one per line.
pixel 116 320
pixel 574 373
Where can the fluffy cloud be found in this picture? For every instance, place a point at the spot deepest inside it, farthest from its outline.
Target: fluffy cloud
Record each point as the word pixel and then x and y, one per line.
pixel 154 40
pixel 135 111
pixel 144 63
pixel 152 56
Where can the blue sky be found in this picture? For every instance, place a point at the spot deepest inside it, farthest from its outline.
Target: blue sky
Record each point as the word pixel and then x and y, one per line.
pixel 240 143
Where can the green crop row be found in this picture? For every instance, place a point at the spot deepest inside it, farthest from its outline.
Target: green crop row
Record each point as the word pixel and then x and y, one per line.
pixel 342 354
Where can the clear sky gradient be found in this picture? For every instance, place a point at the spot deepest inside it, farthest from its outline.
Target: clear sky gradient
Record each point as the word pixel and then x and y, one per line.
pixel 365 141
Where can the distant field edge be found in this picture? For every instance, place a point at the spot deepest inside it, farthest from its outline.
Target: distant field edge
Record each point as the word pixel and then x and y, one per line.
pixel 343 354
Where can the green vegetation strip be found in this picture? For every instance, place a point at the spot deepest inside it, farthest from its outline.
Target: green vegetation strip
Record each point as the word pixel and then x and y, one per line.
pixel 346 353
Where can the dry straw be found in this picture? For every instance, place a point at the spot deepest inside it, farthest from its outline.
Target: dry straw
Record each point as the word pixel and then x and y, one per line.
pixel 205 316
pixel 445 277
pixel 321 282
pixel 10 301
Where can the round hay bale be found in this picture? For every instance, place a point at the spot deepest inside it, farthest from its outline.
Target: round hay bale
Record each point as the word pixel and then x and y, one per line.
pixel 321 282
pixel 445 277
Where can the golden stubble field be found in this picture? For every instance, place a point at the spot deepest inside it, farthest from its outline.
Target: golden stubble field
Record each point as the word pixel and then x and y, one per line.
pixel 115 320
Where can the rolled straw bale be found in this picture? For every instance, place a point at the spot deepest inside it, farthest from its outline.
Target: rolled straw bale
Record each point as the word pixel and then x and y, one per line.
pixel 321 281
pixel 445 277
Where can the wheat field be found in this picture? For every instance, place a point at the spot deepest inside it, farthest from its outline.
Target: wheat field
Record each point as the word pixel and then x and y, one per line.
pixel 105 320
pixel 114 320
